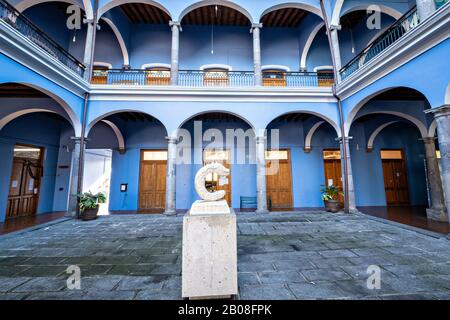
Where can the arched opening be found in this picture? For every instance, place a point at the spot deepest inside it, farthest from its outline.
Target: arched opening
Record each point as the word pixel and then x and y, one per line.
pixel 307 156
pixel 126 157
pixel 217 137
pixel 36 146
pixel 392 159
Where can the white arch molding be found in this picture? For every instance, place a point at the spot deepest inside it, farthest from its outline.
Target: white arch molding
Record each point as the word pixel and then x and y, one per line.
pixel 10 117
pixel 249 123
pixel 224 3
pixel 310 135
pixel 114 3
pixel 87 5
pixel 376 133
pixel 432 129
pixel 118 133
pixel 447 95
pixel 383 9
pixel 420 126
pixel 335 19
pixel 123 47
pixel 302 6
pixel 309 43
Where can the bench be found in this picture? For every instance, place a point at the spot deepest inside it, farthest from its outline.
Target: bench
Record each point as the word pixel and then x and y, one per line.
pixel 248 203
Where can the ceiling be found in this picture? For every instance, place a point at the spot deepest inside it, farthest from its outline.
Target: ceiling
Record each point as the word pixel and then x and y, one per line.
pixel 134 117
pixel 144 13
pixel 208 15
pixel 16 90
pixel 400 94
pixel 288 17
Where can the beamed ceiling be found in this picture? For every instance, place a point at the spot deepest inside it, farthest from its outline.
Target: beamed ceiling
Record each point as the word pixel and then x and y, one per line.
pixel 144 13
pixel 288 17
pixel 405 94
pixel 208 15
pixel 353 18
pixel 133 117
pixel 16 90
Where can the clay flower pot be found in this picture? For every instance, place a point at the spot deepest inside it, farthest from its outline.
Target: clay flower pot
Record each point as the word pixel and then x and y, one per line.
pixel 331 205
pixel 89 214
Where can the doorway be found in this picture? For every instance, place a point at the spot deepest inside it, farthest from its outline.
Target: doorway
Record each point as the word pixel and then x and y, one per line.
pixel 333 169
pixel 25 181
pixel 152 181
pixel 279 185
pixel 213 181
pixel 395 179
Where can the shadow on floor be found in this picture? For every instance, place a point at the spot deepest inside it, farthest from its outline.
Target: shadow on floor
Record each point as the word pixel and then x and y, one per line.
pixel 20 223
pixel 410 215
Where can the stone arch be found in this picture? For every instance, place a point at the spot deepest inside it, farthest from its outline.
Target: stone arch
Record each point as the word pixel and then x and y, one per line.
pixel 122 45
pixel 10 117
pixel 310 134
pixel 374 134
pixel 384 9
pixel 115 3
pixel 224 3
pixel 447 95
pixel 309 43
pixel 72 116
pixel 250 124
pixel 117 132
pixel 432 129
pixel 87 5
pixel 295 5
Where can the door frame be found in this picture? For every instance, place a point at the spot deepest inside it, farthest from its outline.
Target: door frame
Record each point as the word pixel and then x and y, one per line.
pixel 41 164
pixel 341 197
pixel 289 160
pixel 405 169
pixel 229 163
pixel 141 160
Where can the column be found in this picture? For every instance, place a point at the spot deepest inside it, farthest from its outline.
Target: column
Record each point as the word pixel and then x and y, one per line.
pixel 442 116
pixel 261 193
pixel 425 8
pixel 351 189
pixel 335 48
pixel 437 206
pixel 171 176
pixel 175 53
pixel 88 47
pixel 74 171
pixel 256 30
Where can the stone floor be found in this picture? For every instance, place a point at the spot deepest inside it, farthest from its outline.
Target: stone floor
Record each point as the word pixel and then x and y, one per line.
pixel 281 256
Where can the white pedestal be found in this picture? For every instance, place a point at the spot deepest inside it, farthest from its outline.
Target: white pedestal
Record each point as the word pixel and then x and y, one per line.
pixel 202 207
pixel 209 256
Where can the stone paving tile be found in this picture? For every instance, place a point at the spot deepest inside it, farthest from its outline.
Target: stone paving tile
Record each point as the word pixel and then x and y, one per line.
pixel 295 255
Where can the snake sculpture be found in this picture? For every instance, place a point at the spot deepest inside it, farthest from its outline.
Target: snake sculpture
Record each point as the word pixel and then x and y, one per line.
pixel 200 179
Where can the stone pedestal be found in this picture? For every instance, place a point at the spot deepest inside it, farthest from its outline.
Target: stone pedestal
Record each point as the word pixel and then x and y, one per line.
pixel 209 256
pixel 201 207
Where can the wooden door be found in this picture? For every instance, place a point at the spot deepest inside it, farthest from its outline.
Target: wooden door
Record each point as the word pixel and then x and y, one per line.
pixel 24 183
pixel 152 181
pixel 395 180
pixel 279 185
pixel 214 182
pixel 333 169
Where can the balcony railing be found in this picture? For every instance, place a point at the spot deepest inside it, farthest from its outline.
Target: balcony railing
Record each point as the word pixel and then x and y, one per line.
pixel 196 78
pixel 407 22
pixel 27 28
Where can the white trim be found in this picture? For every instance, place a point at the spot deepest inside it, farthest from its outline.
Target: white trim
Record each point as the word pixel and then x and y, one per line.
pixel 335 19
pixel 275 67
pixel 216 66
pixel 114 3
pixel 224 3
pixel 365 7
pixel 155 65
pixel 422 129
pixel 102 64
pixel 432 128
pixel 320 68
pixel 302 6
pixel 123 47
pixel 426 35
pixel 310 134
pixel 309 43
pixel 10 117
pixel 117 132
pixel 376 133
pixel 26 4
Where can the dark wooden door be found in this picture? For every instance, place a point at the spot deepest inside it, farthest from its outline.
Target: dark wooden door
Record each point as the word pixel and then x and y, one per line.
pixel 395 182
pixel 279 185
pixel 24 187
pixel 333 172
pixel 152 184
pixel 214 182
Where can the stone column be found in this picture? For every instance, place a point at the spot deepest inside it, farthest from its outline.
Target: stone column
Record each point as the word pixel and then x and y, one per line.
pixel 261 193
pixel 351 189
pixel 171 176
pixel 335 48
pixel 425 8
pixel 73 191
pixel 437 206
pixel 175 53
pixel 442 116
pixel 256 30
pixel 88 47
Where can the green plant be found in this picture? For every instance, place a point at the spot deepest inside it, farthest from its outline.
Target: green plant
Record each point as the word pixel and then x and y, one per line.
pixel 88 200
pixel 330 192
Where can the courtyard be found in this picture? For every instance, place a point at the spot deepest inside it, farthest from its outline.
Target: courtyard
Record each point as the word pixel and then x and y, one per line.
pixel 295 255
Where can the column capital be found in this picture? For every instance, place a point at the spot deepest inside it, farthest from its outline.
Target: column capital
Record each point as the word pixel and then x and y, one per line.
pixel 255 26
pixel 345 139
pixel 335 27
pixel 175 24
pixel 78 139
pixel 441 111
pixel 172 139
pixel 260 139
pixel 428 139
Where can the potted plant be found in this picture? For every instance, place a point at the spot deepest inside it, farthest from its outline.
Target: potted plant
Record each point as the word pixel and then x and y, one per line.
pixel 89 204
pixel 330 195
